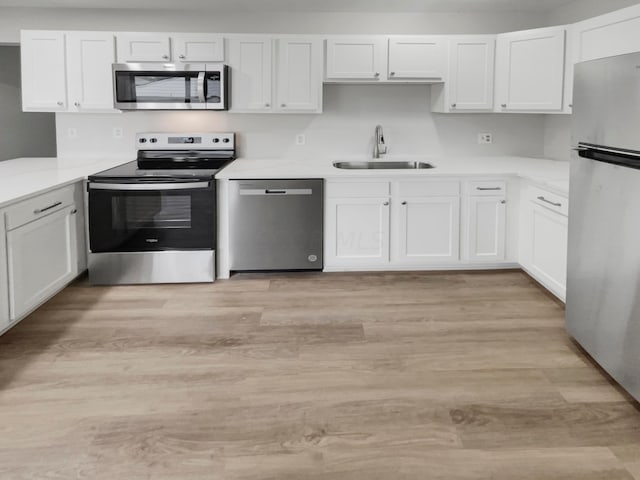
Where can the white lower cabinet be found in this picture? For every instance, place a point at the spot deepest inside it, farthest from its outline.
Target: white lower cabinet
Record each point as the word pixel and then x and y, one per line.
pixel 42 238
pixel 4 287
pixel 357 231
pixel 543 238
pixel 428 230
pixel 42 257
pixel 487 230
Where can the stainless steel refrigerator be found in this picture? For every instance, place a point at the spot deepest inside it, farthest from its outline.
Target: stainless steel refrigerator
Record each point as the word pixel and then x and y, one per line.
pixel 603 286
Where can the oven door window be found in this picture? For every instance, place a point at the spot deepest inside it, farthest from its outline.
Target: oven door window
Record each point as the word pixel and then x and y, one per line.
pixel 158 87
pixel 121 221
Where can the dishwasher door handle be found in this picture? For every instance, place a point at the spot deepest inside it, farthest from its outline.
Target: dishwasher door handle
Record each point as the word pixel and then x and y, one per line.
pixel 273 191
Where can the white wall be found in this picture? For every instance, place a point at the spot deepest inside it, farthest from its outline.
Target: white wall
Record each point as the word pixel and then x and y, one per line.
pixel 14 19
pixel 557 137
pixel 582 9
pixel 21 134
pixel 344 129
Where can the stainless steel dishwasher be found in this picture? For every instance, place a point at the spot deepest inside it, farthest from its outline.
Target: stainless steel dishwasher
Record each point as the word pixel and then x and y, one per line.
pixel 276 224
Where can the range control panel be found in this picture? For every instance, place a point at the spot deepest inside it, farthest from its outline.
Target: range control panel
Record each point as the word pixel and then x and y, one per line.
pixel 185 141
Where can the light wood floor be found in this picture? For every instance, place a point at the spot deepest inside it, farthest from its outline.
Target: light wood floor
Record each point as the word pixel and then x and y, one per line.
pixel 310 376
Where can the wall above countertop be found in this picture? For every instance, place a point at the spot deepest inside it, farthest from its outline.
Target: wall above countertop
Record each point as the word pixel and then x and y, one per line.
pixel 344 129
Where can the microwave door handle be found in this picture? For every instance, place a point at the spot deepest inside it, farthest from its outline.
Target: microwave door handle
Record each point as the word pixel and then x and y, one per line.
pixel 202 95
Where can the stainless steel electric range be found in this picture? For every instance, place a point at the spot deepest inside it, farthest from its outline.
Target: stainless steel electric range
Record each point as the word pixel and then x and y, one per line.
pixel 153 220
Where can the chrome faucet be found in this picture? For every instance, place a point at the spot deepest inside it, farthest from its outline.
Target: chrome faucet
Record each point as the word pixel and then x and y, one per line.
pixel 379 148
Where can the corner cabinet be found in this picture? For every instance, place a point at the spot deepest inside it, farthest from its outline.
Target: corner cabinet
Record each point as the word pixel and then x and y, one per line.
pixel 486 207
pixel 276 74
pixel 42 239
pixel 470 80
pixel 530 70
pixel 44 76
pixel 67 72
pixel 544 236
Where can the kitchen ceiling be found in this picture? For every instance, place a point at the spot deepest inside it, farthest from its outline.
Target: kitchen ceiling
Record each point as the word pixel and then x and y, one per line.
pixel 305 5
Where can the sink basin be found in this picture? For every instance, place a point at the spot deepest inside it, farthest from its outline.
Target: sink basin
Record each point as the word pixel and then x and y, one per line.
pixel 381 165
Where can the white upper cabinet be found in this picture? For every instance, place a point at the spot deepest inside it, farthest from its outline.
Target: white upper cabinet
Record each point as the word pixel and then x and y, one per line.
pixel 299 79
pixel 469 85
pixel 417 58
pixel 44 86
pixel 356 58
pixel 143 47
pixel 530 70
pixel 197 48
pixel 89 77
pixel 250 59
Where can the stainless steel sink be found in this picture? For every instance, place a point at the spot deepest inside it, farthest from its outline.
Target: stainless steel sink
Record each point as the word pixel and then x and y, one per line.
pixel 378 165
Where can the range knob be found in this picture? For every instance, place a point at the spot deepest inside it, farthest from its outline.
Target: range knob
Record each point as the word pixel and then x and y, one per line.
pixel 153 140
pixel 143 140
pixel 216 140
pixel 225 140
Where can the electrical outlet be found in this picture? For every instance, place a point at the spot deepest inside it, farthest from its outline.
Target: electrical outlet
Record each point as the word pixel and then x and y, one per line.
pixel 117 132
pixel 485 138
pixel 301 139
pixel 72 133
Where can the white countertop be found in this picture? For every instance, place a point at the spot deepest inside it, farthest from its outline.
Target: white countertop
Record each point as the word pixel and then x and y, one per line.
pixel 549 173
pixel 24 177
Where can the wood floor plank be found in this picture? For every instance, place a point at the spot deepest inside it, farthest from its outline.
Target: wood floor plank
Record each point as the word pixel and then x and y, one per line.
pixel 353 376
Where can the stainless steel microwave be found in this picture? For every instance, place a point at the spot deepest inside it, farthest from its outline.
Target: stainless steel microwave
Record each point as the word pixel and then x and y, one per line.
pixel 169 86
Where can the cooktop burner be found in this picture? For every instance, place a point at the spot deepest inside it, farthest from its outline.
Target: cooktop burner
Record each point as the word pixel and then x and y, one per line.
pixel 175 156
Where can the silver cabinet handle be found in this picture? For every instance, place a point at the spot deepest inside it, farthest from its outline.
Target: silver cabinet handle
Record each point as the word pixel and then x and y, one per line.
pixel 267 104
pixel 166 57
pixel 386 204
pixel 77 104
pixel 392 73
pixel 182 57
pixel 503 201
pixel 377 74
pixel 38 211
pixel 283 105
pixel 542 199
pixel 453 105
pixel 504 105
pixel 60 103
pixel 404 203
pixel 74 211
pixel 484 189
pixel 571 105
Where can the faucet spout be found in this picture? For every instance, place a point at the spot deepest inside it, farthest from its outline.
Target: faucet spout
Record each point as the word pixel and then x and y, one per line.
pixel 379 147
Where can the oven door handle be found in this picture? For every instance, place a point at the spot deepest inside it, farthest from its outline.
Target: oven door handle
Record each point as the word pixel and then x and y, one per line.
pixel 148 186
pixel 201 93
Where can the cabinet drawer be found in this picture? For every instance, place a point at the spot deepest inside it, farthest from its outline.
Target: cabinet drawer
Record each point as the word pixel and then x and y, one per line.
pixel 357 189
pixel 428 188
pixel 492 188
pixel 552 201
pixel 37 207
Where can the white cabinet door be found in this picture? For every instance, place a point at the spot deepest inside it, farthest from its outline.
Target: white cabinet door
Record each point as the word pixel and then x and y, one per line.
pixel 299 80
pixel 357 232
pixel 530 70
pixel 356 58
pixel 250 60
pixel 143 47
pixel 4 287
pixel 200 47
pixel 429 230
pixel 417 57
pixel 90 79
pixel 44 85
pixel 471 70
pixel 42 258
pixel 549 249
pixel 486 228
